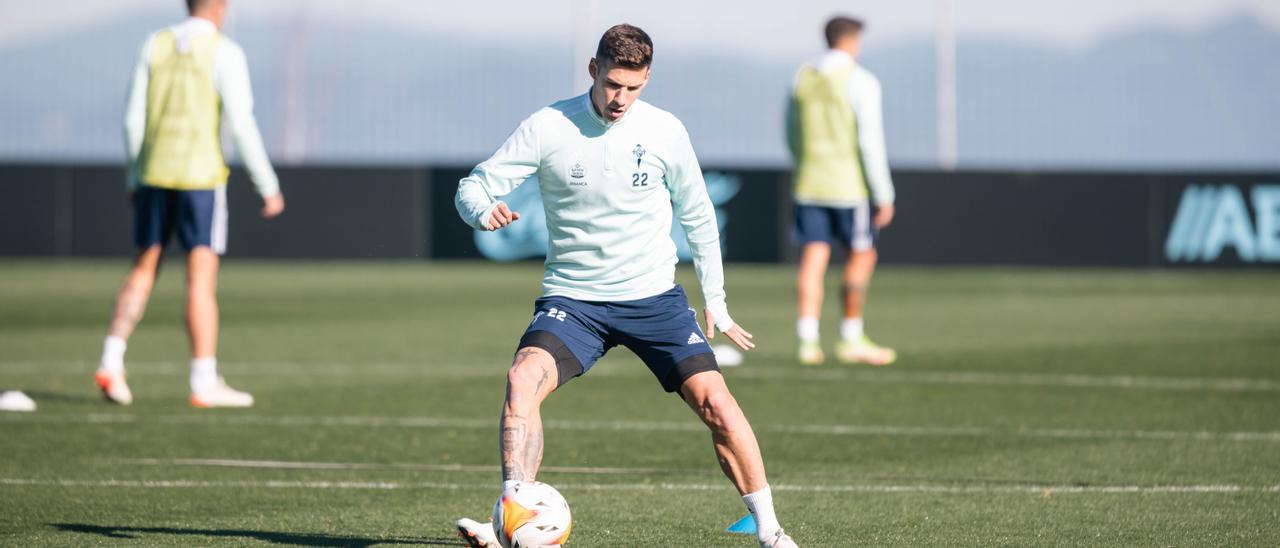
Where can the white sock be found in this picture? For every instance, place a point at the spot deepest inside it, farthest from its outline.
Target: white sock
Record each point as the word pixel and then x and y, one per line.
pixel 506 484
pixel 204 374
pixel 851 330
pixel 807 329
pixel 113 348
pixel 760 504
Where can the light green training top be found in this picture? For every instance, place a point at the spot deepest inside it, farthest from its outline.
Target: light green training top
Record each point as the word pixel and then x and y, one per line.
pixel 836 134
pixel 181 147
pixel 609 190
pixel 186 78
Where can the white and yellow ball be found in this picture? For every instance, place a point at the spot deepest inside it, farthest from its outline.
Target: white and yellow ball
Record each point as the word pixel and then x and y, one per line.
pixel 531 515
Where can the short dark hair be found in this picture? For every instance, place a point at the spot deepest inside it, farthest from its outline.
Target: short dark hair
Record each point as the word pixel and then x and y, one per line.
pixel 625 46
pixel 839 27
pixel 193 5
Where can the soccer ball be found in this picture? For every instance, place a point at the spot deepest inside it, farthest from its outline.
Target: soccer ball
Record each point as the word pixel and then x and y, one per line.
pixel 531 514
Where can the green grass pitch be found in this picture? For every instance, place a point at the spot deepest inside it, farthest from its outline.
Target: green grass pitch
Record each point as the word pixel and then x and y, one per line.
pixel 1028 407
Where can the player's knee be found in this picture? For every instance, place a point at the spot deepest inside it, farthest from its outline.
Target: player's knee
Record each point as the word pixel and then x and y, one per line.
pixel 525 375
pixel 520 377
pixel 719 410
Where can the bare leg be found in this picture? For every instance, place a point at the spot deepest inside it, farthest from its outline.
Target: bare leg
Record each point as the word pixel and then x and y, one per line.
pixel 131 300
pixel 202 302
pixel 813 267
pixel 731 434
pixel 857 276
pixel 532 377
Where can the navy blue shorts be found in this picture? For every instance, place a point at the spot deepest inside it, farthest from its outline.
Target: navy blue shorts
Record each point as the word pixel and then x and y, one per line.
pixel 199 217
pixel 851 227
pixel 662 330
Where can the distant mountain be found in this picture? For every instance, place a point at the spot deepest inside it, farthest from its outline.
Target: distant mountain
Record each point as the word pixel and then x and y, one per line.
pixel 1148 99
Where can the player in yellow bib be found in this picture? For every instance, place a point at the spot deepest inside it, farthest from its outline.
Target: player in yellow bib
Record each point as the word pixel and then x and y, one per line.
pixel 187 78
pixel 843 191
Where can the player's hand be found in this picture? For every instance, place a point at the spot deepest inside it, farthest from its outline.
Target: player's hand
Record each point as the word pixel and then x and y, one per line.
pixel 737 334
pixel 272 205
pixel 500 217
pixel 884 215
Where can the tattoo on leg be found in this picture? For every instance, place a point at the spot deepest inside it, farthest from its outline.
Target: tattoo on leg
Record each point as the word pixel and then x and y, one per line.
pixel 533 452
pixel 545 375
pixel 128 313
pixel 513 447
pixel 523 355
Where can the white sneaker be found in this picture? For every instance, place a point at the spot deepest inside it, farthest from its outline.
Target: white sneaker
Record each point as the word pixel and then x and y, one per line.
pixel 113 386
pixel 476 534
pixel 865 351
pixel 14 400
pixel 811 353
pixel 221 395
pixel 779 540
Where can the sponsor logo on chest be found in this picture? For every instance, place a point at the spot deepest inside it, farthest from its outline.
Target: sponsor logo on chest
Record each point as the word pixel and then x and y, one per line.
pixel 576 175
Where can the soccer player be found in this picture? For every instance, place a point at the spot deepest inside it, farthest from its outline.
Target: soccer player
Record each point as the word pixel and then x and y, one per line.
pixel 611 169
pixel 186 77
pixel 843 192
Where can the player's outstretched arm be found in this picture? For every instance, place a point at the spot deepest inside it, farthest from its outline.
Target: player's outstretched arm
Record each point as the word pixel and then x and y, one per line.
pixel 513 164
pixel 737 334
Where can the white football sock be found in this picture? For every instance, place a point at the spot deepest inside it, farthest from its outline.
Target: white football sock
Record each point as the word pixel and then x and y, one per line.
pixel 851 330
pixel 807 329
pixel 506 484
pixel 113 348
pixel 204 374
pixel 760 504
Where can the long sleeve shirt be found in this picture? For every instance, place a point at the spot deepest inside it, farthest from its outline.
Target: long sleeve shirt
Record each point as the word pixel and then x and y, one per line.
pixel 611 192
pixel 231 78
pixel 835 130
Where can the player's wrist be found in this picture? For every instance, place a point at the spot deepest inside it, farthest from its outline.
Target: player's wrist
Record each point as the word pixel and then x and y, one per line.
pixel 486 218
pixel 725 324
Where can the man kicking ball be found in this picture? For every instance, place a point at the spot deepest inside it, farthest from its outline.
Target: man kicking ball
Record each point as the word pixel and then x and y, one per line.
pixel 611 169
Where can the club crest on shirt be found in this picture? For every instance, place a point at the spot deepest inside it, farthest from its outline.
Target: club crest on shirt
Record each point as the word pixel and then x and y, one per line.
pixel 639 152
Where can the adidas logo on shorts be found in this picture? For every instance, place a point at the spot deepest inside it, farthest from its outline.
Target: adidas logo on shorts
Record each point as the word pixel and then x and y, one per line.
pixel 694 339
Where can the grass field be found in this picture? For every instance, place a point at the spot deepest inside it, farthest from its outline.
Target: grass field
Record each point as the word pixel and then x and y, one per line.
pixel 1029 407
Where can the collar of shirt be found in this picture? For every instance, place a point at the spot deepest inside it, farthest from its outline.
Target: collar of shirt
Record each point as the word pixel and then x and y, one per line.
pixel 833 57
pixel 190 28
pixel 591 111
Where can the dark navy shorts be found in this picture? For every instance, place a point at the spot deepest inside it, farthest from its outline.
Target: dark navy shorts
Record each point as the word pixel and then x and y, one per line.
pixel 199 217
pixel 662 330
pixel 850 227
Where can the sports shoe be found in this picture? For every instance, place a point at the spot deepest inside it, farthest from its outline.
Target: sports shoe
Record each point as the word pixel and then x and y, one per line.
pixel 865 351
pixel 114 389
pixel 221 395
pixel 476 534
pixel 811 353
pixel 780 539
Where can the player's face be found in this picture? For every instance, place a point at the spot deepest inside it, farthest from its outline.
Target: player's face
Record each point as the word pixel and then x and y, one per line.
pixel 615 89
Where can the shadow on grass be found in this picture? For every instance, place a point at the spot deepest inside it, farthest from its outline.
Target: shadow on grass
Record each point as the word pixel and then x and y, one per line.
pixel 274 537
pixel 46 396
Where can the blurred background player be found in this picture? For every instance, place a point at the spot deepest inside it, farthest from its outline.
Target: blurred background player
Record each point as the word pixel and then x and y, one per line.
pixel 186 77
pixel 843 192
pixel 613 171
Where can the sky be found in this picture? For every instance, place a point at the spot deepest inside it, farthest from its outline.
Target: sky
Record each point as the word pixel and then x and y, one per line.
pixel 778 27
